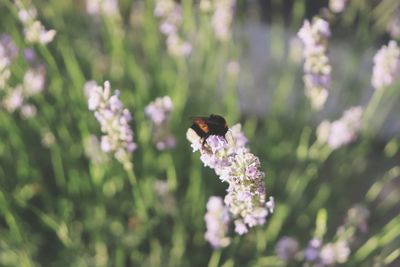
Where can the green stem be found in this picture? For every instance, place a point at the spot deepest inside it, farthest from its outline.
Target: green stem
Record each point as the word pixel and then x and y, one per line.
pixel 137 195
pixel 215 257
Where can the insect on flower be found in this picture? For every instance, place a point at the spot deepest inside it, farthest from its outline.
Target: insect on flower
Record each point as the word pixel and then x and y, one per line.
pixel 212 125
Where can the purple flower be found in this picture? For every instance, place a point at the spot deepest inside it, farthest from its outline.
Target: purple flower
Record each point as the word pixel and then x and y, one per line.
pixel 159 113
pixel 158 110
pixel 8 49
pixel 287 248
pixel 317 68
pixel 30 55
pixel 312 251
pixel 235 165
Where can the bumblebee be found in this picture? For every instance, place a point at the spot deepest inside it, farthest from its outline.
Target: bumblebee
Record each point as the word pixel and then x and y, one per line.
pixel 212 125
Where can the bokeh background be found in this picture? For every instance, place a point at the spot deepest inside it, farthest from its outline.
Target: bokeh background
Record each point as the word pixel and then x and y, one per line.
pixel 64 202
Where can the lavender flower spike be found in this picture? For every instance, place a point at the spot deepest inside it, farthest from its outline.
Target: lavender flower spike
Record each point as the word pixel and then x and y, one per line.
pixel 246 199
pixel 114 121
pixel 234 164
pixel 317 68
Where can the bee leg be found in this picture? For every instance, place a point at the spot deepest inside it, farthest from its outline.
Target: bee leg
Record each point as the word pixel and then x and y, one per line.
pixel 204 142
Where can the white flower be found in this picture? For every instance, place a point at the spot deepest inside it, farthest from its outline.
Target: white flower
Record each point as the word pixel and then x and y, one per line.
pixel 114 121
pixel 34 30
pixel 337 6
pixel 216 219
pixel 386 65
pixel 341 131
pixel 28 111
pixel 14 99
pixel 34 80
pixel 222 19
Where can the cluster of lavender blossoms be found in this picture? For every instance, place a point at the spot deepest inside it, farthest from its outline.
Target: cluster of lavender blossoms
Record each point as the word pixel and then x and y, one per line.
pixel 170 14
pixel 343 130
pixel 386 66
pixel 16 97
pixel 34 30
pixel 114 121
pixel 337 6
pixel 222 16
pixel 318 254
pixel 231 160
pixel 317 68
pixel 159 111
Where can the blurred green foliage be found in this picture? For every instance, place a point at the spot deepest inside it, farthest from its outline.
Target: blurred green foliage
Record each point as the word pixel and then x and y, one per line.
pixel 57 208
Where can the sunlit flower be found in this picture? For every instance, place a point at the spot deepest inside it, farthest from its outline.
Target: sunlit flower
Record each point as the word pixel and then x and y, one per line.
pixel 317 68
pixel 343 130
pixel 114 121
pixel 222 18
pixel 333 253
pixel 34 30
pixel 217 219
pixel 337 6
pixel 36 33
pixel 386 65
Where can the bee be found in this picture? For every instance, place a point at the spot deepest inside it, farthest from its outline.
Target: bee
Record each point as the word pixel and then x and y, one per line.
pixel 212 125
